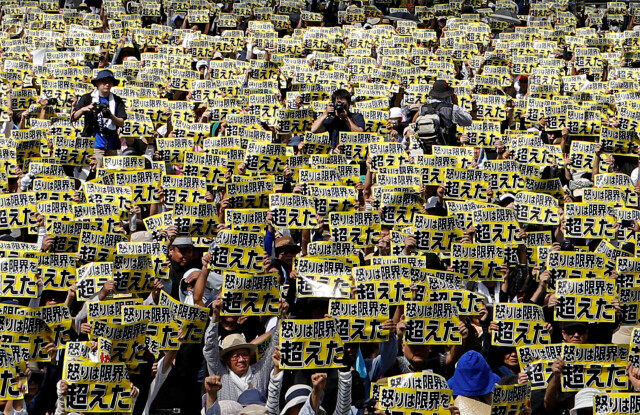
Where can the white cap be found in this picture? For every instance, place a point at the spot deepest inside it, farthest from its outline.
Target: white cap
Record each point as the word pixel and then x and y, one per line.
pixel 395 112
pixel 201 63
pixel 186 275
pixel 584 399
pixel 506 196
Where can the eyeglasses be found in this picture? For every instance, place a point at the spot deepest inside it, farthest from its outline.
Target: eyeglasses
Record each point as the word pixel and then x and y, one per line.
pixel 238 355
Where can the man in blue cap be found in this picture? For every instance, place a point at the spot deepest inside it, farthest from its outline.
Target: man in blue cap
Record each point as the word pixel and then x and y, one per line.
pixel 103 113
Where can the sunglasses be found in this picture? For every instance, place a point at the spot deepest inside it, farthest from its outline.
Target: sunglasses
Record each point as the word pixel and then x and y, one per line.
pixel 581 331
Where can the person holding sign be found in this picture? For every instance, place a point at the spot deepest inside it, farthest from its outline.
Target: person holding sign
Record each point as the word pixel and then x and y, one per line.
pixel 554 398
pixel 416 357
pixel 232 361
pixel 337 117
pixel 103 112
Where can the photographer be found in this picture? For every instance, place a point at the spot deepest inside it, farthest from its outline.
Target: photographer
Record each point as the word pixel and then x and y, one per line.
pixel 337 117
pixel 103 113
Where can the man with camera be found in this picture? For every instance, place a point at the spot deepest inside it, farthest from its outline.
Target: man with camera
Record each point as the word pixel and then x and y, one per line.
pixel 337 117
pixel 103 113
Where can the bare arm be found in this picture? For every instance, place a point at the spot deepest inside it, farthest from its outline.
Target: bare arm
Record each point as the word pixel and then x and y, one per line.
pixel 318 126
pixel 596 162
pixel 119 122
pixel 551 394
pixel 306 238
pixel 75 116
pixel 201 282
pixel 457 350
pixel 319 381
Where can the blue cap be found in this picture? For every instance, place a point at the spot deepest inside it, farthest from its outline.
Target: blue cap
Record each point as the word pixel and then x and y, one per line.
pixel 252 397
pixel 473 376
pixel 105 74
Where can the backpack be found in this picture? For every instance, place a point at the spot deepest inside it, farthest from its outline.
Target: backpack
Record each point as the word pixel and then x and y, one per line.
pixel 435 126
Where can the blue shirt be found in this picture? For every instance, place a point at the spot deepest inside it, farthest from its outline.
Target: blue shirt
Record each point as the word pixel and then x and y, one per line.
pixel 105 138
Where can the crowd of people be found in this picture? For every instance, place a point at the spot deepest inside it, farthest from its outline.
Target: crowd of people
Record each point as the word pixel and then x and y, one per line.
pixel 347 207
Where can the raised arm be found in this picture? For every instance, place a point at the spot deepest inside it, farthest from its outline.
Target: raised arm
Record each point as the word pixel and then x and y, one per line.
pixel 275 384
pixel 388 353
pixel 201 282
pixel 211 349
pixel 262 368
pixel 343 402
pixel 318 124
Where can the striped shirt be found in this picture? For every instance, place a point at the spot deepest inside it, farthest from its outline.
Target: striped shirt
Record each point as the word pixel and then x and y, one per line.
pixel 260 370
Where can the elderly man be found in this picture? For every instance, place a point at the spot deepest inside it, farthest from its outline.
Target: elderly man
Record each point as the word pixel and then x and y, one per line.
pixel 232 362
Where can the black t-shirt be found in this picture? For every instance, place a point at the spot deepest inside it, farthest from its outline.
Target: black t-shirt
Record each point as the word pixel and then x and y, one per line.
pixel 91 126
pixel 437 364
pixel 250 329
pixel 335 124
pixel 181 388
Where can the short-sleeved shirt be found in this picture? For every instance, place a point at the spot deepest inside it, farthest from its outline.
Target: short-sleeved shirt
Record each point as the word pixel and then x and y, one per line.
pixel 105 139
pixel 334 125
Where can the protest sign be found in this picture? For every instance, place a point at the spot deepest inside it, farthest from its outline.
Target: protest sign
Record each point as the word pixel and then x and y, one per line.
pixel 585 300
pixel 536 208
pixel 477 262
pixel 293 211
pixel 192 319
pixel 594 366
pixel 310 344
pixel 432 323
pixel 237 251
pixel 97 387
pixel 360 228
pixel 536 362
pixel 18 277
pixel 360 321
pixel 247 294
pixel 564 264
pixel 616 403
pixel 589 220
pixel 414 400
pixel 496 226
pixel 508 399
pixel 519 325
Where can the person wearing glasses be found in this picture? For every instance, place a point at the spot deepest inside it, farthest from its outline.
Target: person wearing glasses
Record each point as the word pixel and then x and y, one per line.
pixel 232 361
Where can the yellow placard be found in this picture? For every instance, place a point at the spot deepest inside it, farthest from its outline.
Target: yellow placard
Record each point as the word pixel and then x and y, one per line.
pixel 432 323
pixel 585 300
pixel 250 294
pixel 519 325
pixel 310 344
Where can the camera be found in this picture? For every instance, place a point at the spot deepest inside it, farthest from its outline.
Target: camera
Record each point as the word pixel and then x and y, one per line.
pixel 367 404
pixel 340 107
pixel 52 101
pixel 566 246
pixel 99 108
